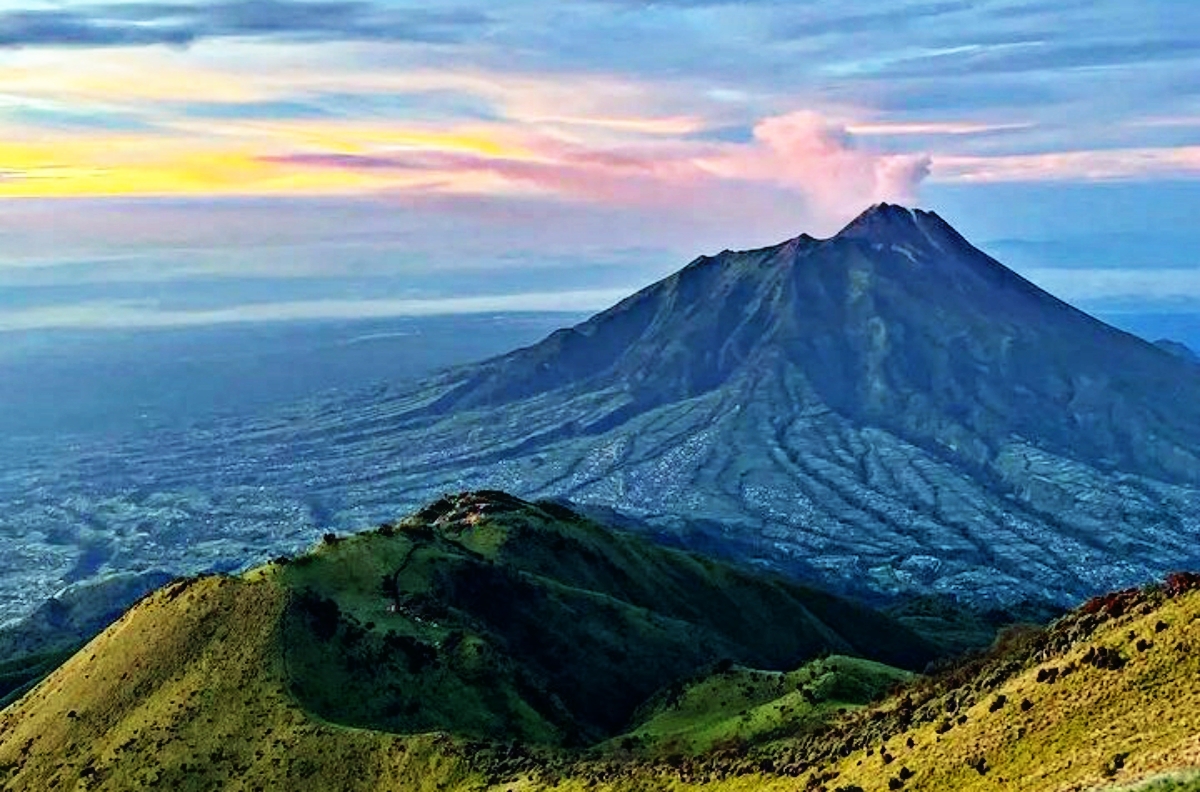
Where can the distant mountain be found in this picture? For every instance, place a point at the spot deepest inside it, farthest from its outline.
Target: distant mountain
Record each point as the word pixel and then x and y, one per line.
pixel 897 321
pixel 32 647
pixel 887 411
pixel 1177 349
pixel 490 643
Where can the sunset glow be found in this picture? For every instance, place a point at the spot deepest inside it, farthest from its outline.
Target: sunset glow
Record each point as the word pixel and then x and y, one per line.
pixel 660 128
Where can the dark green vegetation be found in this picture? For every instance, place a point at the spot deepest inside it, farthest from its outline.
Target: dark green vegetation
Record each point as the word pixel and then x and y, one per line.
pixel 735 707
pixel 957 628
pixel 491 617
pixel 21 673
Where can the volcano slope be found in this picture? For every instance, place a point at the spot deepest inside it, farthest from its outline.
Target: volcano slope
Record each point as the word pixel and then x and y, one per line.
pixel 886 411
pixel 393 660
pixel 888 406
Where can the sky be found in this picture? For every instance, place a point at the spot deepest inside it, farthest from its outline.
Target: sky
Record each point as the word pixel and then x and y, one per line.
pixel 170 162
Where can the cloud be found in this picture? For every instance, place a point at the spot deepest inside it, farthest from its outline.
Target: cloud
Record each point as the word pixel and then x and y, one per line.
pixel 68 28
pixel 50 115
pixel 1168 122
pixel 134 314
pixel 1094 166
pixel 1143 285
pixel 630 176
pixel 180 24
pixel 932 128
pixel 404 235
pixel 804 152
pixel 415 105
pixel 1037 56
pixel 824 19
pixel 817 18
pixel 800 153
pixel 243 111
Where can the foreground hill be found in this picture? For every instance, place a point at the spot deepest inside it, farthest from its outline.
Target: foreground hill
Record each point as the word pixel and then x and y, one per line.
pixel 486 642
pixel 886 411
pixel 482 616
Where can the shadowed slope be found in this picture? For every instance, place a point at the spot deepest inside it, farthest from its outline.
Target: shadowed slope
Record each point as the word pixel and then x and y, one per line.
pixel 489 616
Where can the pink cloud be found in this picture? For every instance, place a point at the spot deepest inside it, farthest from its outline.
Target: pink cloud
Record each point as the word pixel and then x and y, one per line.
pixel 944 128
pixel 805 153
pixel 629 177
pixel 800 154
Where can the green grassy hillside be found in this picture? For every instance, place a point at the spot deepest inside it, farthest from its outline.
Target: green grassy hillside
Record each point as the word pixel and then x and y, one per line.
pixel 490 644
pixel 1110 694
pixel 488 616
pixel 189 692
pixel 483 617
pixel 739 706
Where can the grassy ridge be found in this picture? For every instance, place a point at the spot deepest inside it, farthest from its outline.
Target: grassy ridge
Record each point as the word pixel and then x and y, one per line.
pixel 488 616
pixel 1102 697
pixel 737 706
pixel 284 678
pixel 189 692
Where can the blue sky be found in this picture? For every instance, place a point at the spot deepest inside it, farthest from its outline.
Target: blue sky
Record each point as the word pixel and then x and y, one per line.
pixel 187 163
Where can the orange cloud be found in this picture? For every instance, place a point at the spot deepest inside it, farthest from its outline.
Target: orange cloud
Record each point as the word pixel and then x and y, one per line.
pixel 226 158
pixel 142 165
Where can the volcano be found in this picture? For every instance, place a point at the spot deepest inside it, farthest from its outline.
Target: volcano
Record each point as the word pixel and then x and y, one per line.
pixel 889 410
pixel 896 322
